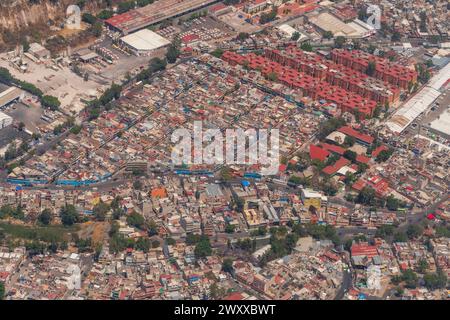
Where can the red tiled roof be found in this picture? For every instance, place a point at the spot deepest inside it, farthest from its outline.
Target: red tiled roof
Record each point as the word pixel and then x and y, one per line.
pixel 333 148
pixel 362 159
pixel 356 134
pixel 217 7
pixel 377 151
pixel 316 152
pixel 189 38
pixel 364 250
pixel 336 166
pixel 359 185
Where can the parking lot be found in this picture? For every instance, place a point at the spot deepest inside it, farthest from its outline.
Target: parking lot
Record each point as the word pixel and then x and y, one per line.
pixel 236 20
pixel 30 116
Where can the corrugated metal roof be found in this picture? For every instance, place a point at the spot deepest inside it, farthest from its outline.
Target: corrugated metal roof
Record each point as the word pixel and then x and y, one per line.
pixel 145 40
pixel 420 102
pixel 9 95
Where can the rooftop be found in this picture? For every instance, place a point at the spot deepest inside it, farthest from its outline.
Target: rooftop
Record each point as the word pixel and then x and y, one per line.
pixel 145 40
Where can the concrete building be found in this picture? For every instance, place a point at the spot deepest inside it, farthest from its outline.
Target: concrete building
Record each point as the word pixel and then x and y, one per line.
pixel 39 51
pixel 144 42
pixel 311 198
pixel 10 95
pixel 255 6
pixel 5 120
pixel 154 13
pixel 220 9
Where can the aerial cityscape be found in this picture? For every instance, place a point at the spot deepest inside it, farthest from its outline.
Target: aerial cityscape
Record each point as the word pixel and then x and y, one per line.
pixel 233 150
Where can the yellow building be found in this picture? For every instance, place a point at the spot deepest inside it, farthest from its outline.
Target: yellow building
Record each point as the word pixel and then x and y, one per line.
pixel 311 198
pixel 252 217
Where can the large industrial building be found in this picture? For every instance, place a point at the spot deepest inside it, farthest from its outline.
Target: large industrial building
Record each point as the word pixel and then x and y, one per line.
pixel 355 29
pixel 420 102
pixel 10 95
pixel 5 120
pixel 144 42
pixel 154 13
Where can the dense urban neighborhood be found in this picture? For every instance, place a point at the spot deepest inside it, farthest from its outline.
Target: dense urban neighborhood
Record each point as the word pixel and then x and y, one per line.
pixel 94 206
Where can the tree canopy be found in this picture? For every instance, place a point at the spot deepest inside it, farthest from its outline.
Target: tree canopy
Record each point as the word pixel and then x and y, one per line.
pixel 203 247
pixel 45 217
pixel 69 215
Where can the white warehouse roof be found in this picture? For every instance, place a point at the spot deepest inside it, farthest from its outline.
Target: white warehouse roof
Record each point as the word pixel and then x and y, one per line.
pixel 10 94
pixel 287 29
pixel 145 40
pixel 5 120
pixel 419 102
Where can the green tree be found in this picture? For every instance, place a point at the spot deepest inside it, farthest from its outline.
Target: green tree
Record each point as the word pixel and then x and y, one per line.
pixel 400 237
pixel 306 47
pixel 152 228
pixel 50 102
pixel 229 228
pixel 240 203
pixel 2 290
pixel 422 265
pixel 45 217
pixel 262 231
pixel 125 6
pixel 349 141
pixel 414 231
pixel 328 126
pixel 384 155
pixel 5 76
pixel 243 36
pixel 84 245
pixel 350 155
pixel 137 185
pixel 227 266
pixel 100 210
pixel 272 76
pixel 217 53
pixel 295 36
pixel 105 14
pixel 392 203
pixel 366 196
pixel 172 54
pixel 385 231
pixel 69 215
pixel 396 36
pixel 203 247
pixel 328 35
pixel 436 280
pixel 267 17
pixel 136 220
pixel 97 29
pixel 410 278
pixel 143 244
pixel 170 241
pixel 215 292
pixel 192 239
pixel 88 18
pixel 155 244
pixel 339 41
pixel 371 68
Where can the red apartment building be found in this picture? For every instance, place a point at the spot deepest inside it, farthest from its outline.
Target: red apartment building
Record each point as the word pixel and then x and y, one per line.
pixel 306 77
pixel 385 70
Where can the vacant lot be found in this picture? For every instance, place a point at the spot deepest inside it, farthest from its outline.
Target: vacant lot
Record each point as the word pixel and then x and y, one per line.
pixel 46 234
